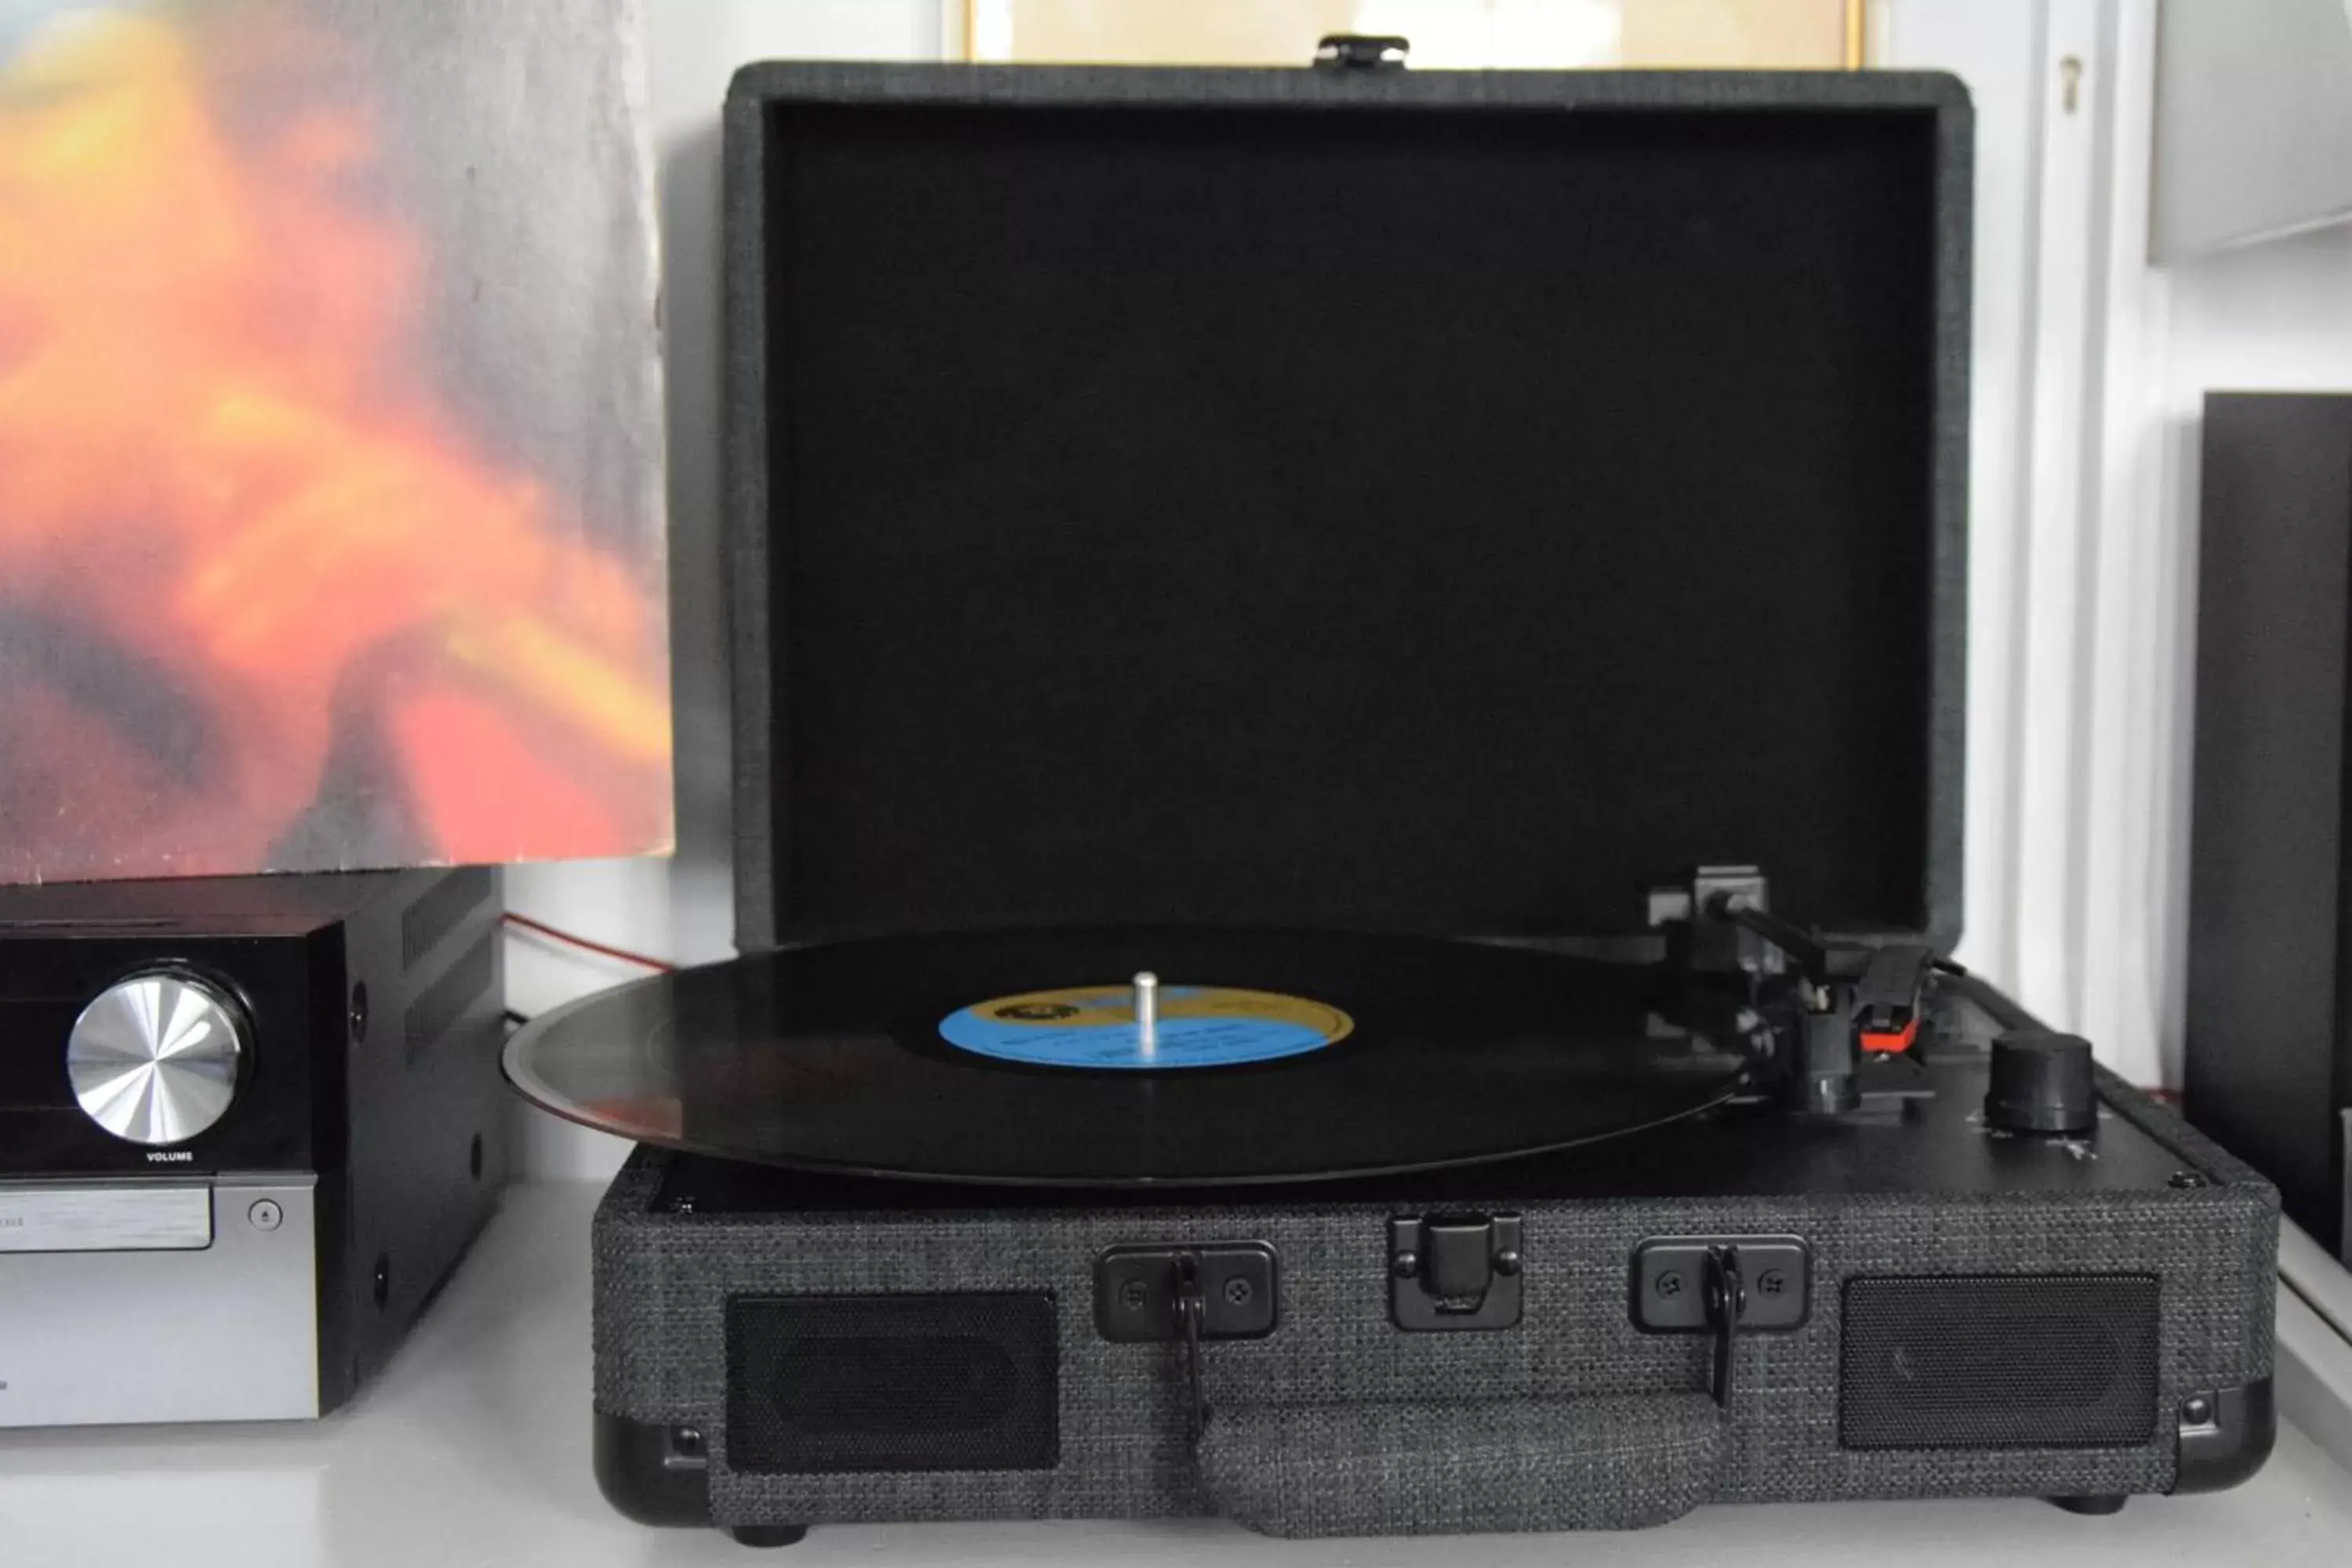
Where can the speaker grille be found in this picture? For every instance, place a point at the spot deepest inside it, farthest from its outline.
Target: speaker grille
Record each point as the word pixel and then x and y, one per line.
pixel 966 1382
pixel 2050 1360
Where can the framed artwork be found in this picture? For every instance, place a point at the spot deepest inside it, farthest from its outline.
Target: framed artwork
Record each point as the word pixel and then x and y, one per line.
pixel 331 438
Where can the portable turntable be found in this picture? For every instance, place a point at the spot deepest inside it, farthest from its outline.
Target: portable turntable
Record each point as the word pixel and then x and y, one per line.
pixel 1253 592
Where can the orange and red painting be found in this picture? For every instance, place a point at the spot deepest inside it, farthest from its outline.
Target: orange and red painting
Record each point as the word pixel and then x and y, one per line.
pixel 329 439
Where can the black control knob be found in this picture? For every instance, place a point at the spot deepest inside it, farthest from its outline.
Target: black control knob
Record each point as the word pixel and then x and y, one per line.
pixel 2040 1083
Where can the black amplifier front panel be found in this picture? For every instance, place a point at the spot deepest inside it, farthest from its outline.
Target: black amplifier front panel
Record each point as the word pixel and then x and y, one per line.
pixel 287 986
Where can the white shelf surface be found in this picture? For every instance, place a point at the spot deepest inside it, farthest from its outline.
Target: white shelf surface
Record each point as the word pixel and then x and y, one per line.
pixel 472 1450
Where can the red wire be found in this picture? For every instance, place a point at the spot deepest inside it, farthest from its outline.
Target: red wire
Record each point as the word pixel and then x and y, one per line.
pixel 557 933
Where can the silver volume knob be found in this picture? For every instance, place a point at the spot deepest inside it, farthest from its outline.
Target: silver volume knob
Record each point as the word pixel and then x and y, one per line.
pixel 154 1058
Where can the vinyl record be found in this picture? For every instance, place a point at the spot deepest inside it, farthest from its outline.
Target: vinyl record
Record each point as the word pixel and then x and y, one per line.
pixel 1017 1058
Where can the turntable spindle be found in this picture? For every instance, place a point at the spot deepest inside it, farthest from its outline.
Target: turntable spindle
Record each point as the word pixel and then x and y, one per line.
pixel 1147 1011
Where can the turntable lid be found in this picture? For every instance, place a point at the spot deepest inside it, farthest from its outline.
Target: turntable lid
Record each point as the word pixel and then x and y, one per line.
pixel 1427 501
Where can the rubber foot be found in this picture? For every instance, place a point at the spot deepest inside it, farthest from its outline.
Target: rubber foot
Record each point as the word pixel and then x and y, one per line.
pixel 2097 1504
pixel 768 1535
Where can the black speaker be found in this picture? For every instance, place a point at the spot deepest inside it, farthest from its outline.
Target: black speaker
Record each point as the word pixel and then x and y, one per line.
pixel 2268 1047
pixel 2053 1361
pixel 945 1381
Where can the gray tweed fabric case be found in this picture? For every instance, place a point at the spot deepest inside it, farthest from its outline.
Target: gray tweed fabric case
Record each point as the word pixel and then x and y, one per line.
pixel 1339 1425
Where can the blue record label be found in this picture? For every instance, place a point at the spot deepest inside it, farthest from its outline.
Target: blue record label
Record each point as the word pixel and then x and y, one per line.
pixel 1094 1026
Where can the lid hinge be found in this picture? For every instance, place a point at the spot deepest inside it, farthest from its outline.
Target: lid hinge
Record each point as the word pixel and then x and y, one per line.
pixel 1703 936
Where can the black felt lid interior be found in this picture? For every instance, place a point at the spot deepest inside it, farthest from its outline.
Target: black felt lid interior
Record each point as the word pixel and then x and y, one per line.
pixel 1456 519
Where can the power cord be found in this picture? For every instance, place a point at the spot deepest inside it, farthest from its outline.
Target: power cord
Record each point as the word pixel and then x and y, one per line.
pixel 571 939
pixel 547 933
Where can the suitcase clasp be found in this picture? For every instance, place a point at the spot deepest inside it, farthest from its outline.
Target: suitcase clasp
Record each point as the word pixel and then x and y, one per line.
pixel 1454 1272
pixel 1362 52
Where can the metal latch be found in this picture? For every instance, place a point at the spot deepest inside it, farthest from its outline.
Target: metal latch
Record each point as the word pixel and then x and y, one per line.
pixel 1361 51
pixel 1137 1293
pixel 1721 1286
pixel 1215 1290
pixel 1454 1272
pixel 1726 1298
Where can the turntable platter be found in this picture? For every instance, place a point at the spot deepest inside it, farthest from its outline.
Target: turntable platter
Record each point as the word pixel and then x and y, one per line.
pixel 1021 1058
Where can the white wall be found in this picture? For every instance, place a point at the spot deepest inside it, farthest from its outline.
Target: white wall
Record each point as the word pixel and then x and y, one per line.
pixel 682 909
pixel 2083 562
pixel 1997 50
pixel 2274 317
pixel 2069 720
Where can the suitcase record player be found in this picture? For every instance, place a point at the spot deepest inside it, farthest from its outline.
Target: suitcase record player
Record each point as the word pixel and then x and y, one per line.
pixel 1347 754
